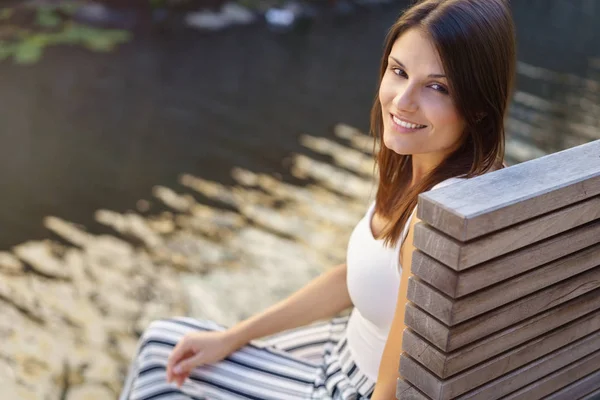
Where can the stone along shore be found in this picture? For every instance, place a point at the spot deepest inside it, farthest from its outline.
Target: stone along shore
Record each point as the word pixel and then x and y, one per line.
pixel 73 308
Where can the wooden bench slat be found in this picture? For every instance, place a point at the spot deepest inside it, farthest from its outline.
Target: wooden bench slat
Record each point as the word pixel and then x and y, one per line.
pixel 505 316
pixel 448 363
pixel 533 371
pixel 467 380
pixel 405 391
pixel 456 284
pixel 452 312
pixel 460 256
pixel 478 206
pixel 559 379
pixel 595 395
pixel 579 388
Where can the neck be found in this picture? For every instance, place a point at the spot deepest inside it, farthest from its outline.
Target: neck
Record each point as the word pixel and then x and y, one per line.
pixel 422 165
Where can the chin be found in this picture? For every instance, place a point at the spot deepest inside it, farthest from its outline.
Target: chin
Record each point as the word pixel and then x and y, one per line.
pixel 396 145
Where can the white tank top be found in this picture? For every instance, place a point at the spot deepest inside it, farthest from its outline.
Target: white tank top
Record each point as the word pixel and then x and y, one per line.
pixel 373 279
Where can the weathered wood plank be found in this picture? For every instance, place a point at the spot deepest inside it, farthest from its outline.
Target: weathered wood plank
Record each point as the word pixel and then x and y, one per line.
pixel 445 364
pixel 478 206
pixel 531 372
pixel 595 395
pixel 499 269
pixel 579 388
pixel 467 380
pixel 428 327
pixel 405 391
pixel 505 316
pixel 559 379
pixel 460 256
pixel 452 312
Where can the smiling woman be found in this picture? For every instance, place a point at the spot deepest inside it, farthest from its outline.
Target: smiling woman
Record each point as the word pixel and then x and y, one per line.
pixel 448 67
pixel 421 116
pixel 445 80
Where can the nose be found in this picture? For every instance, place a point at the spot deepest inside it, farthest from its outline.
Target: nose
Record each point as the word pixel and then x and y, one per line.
pixel 406 99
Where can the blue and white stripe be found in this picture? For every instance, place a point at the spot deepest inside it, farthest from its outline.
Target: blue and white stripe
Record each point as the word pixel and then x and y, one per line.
pixel 307 363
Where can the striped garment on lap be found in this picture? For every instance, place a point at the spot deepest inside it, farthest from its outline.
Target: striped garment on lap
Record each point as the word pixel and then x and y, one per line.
pixel 311 362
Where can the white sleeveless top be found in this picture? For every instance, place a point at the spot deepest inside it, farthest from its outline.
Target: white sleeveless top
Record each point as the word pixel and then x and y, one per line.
pixel 373 279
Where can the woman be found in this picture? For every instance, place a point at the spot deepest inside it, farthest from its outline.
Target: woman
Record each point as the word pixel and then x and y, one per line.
pixel 445 82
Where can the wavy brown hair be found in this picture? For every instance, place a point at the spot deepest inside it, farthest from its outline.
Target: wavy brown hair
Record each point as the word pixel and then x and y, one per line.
pixel 475 40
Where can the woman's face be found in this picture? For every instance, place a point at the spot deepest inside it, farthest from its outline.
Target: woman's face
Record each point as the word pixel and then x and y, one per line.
pixel 419 116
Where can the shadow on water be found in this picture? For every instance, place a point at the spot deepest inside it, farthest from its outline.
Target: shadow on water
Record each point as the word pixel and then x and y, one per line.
pixel 83 131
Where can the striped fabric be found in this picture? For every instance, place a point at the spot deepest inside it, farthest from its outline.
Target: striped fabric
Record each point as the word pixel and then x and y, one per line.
pixel 311 362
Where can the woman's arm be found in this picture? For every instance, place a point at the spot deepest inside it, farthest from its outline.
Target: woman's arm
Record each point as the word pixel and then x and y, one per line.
pixel 385 389
pixel 325 296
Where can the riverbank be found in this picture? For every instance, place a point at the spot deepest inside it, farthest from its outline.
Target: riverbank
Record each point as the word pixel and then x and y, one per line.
pixel 74 306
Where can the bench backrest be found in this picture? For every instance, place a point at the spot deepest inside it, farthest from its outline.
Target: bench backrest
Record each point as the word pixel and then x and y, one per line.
pixel 505 292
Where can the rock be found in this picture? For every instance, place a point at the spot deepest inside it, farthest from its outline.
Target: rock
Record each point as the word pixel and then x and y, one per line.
pixel 8 386
pixel 68 231
pixel 162 224
pixel 130 224
pixel 17 291
pixel 351 159
pixel 212 190
pixel 90 392
pixel 10 265
pixel 42 259
pixel 208 20
pixel 94 365
pixel 181 203
pixel 356 138
pixel 199 254
pixel 230 14
pixel 237 14
pixel 332 177
pixel 37 357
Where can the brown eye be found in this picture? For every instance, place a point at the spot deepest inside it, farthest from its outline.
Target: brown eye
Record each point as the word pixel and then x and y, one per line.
pixel 439 88
pixel 399 72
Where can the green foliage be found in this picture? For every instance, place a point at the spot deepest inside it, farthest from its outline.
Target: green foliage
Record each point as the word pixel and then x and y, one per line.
pixel 5 13
pixel 25 45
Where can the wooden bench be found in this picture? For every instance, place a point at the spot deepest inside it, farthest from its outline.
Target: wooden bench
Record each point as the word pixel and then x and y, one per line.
pixel 504 301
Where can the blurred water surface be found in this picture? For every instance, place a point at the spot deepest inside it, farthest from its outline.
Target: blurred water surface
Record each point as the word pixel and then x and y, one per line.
pixel 83 131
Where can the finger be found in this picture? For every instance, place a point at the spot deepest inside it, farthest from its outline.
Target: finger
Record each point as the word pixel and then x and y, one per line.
pixel 181 379
pixel 179 352
pixel 185 366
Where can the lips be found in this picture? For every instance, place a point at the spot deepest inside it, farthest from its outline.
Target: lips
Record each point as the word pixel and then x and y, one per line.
pixel 406 124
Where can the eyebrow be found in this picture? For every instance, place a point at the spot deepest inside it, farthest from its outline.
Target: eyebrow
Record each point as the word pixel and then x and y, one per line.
pixel 430 75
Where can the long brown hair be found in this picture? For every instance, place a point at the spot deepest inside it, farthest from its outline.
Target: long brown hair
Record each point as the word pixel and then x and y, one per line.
pixel 475 40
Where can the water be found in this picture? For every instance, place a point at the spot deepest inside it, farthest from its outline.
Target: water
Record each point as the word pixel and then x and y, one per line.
pixel 83 131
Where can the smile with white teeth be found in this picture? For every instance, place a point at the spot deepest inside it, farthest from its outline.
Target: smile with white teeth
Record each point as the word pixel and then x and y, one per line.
pixel 405 124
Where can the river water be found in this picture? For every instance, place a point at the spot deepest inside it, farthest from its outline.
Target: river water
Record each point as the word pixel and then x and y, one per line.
pixel 83 131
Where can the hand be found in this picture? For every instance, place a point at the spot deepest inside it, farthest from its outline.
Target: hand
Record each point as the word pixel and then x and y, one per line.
pixel 195 349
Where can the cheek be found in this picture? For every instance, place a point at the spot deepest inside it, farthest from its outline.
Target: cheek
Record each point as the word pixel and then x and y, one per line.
pixel 446 118
pixel 386 94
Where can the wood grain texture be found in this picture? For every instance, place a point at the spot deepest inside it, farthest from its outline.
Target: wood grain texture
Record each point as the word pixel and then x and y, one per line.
pixel 428 327
pixel 456 285
pixel 445 364
pixel 595 395
pixel 460 256
pixel 536 370
pixel 456 385
pixel 579 388
pixel 405 391
pixel 474 207
pixel 559 379
pixel 507 315
pixel 452 312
